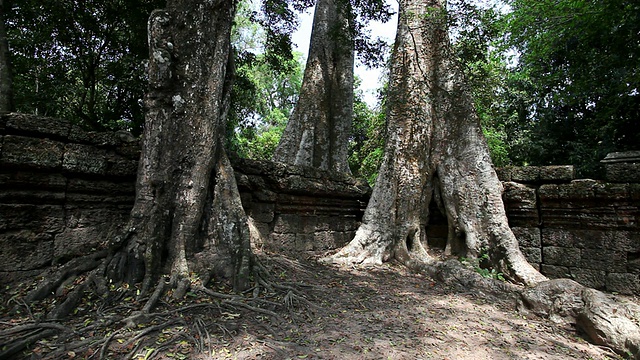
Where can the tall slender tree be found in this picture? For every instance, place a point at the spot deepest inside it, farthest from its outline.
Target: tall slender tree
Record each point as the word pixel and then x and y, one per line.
pixel 6 85
pixel 435 150
pixel 317 133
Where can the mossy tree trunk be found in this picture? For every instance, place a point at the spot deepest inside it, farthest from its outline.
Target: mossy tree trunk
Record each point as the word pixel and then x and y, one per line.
pixel 317 133
pixel 187 215
pixel 435 150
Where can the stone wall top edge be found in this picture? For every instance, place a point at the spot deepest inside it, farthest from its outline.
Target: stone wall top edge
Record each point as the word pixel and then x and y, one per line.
pixel 281 170
pixel 61 129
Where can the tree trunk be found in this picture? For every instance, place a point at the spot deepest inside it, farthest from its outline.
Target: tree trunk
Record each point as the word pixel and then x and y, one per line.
pixel 6 85
pixel 317 134
pixel 187 215
pixel 435 150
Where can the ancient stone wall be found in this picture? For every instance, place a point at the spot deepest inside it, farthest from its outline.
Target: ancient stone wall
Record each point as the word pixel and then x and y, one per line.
pixel 582 229
pixel 65 191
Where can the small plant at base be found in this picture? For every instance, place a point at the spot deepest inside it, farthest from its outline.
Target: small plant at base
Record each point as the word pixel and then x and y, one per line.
pixel 486 272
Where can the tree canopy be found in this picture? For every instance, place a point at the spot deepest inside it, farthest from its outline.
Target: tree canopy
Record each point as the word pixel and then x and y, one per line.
pixel 581 60
pixel 80 60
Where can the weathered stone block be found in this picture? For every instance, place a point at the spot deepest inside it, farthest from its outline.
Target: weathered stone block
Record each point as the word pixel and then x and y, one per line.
pixel 533 255
pixel 633 264
pixel 93 187
pixel 38 124
pixel 286 224
pixel 84 159
pixel 589 277
pixel 634 194
pixel 623 172
pixel 282 241
pixel 33 153
pixel 98 138
pixel 528 237
pixel 538 174
pixel 324 240
pixel 557 173
pixel 612 194
pixel 610 260
pixel 560 256
pixel 555 272
pixel 25 250
pixel 33 180
pixel 504 173
pixel 521 205
pixel 305 242
pixel 308 224
pixel 326 223
pixel 262 212
pixel 38 218
pixel 587 238
pixel 525 174
pixel 265 195
pixel 121 166
pixel 623 283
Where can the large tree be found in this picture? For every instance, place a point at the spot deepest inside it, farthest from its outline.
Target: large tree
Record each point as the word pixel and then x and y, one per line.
pixel 435 150
pixel 187 217
pixel 6 86
pixel 317 133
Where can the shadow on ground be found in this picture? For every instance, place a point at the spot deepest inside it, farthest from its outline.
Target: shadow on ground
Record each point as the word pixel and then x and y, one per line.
pixel 377 313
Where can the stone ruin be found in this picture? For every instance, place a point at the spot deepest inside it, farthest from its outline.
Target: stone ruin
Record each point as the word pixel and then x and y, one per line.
pixel 65 191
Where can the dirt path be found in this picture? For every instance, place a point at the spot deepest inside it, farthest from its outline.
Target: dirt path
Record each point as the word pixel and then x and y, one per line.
pixel 388 313
pixel 380 313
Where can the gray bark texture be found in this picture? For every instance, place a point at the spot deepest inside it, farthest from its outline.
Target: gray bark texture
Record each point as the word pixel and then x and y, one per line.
pixel 317 133
pixel 187 215
pixel 435 150
pixel 6 84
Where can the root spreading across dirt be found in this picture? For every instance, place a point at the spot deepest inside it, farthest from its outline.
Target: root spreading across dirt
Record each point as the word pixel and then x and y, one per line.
pixel 328 313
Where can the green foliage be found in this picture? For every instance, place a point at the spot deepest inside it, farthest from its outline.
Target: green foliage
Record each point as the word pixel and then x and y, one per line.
pixel 476 39
pixel 366 145
pixel 482 266
pixel 263 95
pixel 262 101
pixel 80 60
pixel 582 59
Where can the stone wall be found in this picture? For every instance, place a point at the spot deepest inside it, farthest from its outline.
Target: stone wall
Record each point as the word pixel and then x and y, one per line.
pixel 65 191
pixel 582 229
pixel 300 209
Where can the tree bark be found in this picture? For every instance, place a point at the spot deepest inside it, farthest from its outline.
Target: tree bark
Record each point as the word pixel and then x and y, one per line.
pixel 435 150
pixel 6 83
pixel 187 215
pixel 317 133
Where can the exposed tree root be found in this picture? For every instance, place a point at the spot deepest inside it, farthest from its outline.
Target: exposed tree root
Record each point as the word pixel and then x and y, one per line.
pixel 73 268
pixel 119 323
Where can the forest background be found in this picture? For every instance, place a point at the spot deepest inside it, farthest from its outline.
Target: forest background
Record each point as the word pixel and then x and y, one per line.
pixel 554 82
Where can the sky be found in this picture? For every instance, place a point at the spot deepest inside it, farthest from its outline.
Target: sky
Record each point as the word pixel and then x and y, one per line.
pixel 370 77
pixel 386 31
